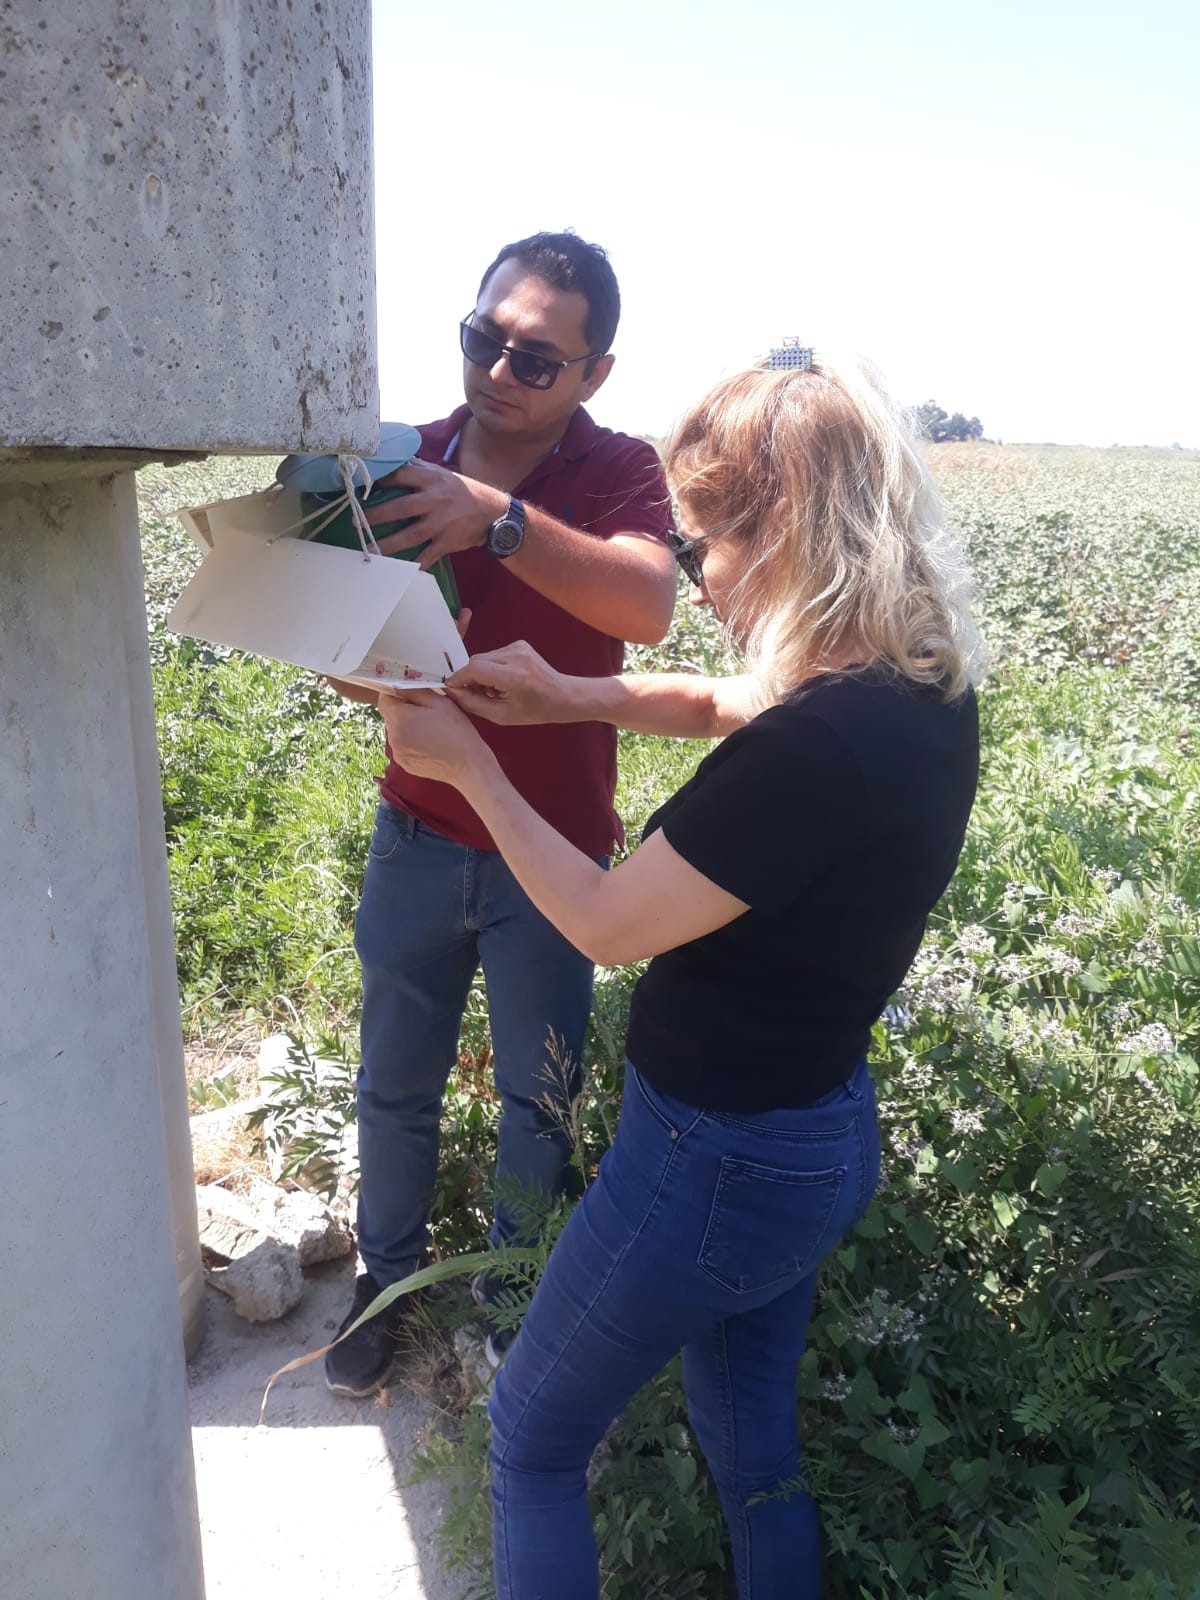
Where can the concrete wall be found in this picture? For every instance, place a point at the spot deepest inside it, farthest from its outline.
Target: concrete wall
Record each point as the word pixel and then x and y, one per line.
pixel 186 236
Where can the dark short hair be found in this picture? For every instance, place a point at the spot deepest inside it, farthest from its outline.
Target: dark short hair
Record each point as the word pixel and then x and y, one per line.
pixel 565 261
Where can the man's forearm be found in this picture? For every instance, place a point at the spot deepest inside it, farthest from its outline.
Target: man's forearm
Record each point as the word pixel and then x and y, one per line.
pixel 624 586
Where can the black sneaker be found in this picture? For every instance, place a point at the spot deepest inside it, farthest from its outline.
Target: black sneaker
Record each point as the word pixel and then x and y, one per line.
pixel 360 1365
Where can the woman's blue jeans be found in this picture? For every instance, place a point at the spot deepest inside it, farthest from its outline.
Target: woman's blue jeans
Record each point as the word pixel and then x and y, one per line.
pixel 702 1233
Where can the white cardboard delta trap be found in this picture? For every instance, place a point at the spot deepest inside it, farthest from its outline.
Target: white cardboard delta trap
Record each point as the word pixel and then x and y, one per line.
pixel 264 588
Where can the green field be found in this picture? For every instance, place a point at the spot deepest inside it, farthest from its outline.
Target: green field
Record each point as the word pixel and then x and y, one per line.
pixel 1001 1397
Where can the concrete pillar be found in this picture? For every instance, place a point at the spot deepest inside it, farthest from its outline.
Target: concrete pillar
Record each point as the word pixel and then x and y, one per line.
pixel 97 1494
pixel 186 264
pixel 160 927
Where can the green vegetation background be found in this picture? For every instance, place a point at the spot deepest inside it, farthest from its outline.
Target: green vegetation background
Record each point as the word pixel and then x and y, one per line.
pixel 1001 1397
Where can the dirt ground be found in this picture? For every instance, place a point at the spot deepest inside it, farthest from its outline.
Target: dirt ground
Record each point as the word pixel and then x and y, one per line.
pixel 316 1500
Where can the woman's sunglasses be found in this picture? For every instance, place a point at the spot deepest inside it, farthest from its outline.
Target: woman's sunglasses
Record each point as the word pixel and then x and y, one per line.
pixel 535 372
pixel 686 553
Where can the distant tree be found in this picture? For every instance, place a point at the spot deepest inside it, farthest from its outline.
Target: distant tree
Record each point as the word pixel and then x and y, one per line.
pixel 940 428
pixel 930 418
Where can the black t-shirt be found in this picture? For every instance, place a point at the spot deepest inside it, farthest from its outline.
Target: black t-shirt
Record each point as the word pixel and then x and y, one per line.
pixel 838 817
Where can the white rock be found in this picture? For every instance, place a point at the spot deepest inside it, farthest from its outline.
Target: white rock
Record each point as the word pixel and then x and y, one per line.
pixel 263 1284
pixel 229 1226
pixel 263 1277
pixel 302 1219
pixel 273 1054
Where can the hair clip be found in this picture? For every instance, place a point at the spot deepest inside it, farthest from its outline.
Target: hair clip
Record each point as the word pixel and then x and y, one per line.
pixel 790 356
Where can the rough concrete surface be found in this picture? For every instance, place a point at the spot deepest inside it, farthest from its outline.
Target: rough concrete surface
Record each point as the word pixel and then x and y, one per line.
pixel 228 1225
pixel 186 225
pixel 302 1219
pixel 316 1501
pixel 263 1283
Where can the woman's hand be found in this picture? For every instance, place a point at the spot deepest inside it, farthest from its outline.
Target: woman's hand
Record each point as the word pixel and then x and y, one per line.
pixel 431 738
pixel 514 686
pixel 354 691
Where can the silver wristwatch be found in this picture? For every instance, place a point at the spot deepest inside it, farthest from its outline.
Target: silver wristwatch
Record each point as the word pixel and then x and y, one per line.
pixel 506 534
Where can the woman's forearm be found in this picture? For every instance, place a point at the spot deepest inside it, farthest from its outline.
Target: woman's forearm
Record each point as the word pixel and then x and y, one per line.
pixel 514 685
pixel 677 704
pixel 646 905
pixel 564 884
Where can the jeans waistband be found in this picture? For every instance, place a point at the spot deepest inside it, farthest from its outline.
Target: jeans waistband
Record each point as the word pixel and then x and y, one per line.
pixel 409 825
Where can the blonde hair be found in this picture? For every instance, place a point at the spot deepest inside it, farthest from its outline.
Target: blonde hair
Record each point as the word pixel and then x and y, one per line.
pixel 822 473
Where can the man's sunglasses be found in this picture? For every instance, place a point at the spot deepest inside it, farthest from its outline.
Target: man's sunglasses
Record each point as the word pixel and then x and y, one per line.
pixel 535 372
pixel 686 553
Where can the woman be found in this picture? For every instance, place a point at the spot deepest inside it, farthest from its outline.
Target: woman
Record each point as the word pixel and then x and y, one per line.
pixel 781 895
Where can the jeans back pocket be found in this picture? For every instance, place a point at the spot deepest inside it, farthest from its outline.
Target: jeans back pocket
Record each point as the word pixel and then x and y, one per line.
pixel 769 1224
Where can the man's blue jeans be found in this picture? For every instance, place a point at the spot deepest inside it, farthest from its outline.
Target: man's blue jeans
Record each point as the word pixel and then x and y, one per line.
pixel 431 912
pixel 702 1232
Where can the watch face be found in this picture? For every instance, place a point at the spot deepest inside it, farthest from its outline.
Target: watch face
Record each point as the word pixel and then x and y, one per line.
pixel 505 538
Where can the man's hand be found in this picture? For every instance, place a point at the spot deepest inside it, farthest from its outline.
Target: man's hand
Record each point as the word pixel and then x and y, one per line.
pixel 431 738
pixel 619 582
pixel 450 512
pixel 513 686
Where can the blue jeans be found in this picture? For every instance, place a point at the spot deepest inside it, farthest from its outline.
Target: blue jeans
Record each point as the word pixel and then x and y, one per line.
pixel 703 1233
pixel 431 912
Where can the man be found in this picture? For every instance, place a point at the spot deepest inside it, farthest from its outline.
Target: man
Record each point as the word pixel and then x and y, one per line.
pixel 555 530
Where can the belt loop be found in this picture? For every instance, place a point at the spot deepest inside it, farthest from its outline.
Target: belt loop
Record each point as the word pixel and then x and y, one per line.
pixel 404 820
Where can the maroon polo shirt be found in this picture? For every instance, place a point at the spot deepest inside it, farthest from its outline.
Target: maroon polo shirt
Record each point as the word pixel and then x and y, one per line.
pixel 601 483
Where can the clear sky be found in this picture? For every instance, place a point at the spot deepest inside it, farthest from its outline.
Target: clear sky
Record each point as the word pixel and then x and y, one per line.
pixel 1000 204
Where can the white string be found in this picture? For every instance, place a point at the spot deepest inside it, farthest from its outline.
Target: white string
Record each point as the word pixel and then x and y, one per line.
pixel 348 468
